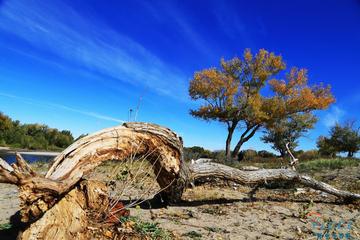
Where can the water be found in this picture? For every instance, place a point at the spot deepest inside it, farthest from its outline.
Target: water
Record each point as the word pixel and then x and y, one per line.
pixel 30 158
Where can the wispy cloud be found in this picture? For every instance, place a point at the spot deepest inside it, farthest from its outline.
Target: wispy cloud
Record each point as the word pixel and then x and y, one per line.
pixel 55 28
pixel 63 107
pixel 172 12
pixel 231 23
pixel 333 116
pixel 190 32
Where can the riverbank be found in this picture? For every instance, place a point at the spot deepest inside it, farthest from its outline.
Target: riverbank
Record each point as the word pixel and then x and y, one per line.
pixel 31 156
pixel 7 151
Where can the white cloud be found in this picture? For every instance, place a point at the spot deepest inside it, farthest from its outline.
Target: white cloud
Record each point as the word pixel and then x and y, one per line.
pixel 333 116
pixel 55 28
pixel 63 107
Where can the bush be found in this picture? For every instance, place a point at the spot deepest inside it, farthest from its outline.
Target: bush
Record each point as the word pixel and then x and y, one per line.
pixel 265 154
pixel 247 155
pixel 196 152
pixel 147 230
pixel 299 152
pixel 307 155
pixel 219 155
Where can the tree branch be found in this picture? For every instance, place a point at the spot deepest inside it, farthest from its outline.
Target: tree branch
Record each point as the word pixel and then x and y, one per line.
pixel 244 138
pixel 293 160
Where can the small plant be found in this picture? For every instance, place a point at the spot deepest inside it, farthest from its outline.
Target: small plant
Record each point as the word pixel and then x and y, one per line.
pixel 149 229
pixel 305 210
pixel 121 176
pixel 215 229
pixel 40 165
pixel 216 210
pixel 193 235
pixel 5 226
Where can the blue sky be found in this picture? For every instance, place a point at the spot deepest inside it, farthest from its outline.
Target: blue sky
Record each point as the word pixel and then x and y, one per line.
pixel 81 65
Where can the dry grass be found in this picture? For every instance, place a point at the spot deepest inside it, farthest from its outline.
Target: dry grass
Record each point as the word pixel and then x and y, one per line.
pixel 328 164
pixel 131 181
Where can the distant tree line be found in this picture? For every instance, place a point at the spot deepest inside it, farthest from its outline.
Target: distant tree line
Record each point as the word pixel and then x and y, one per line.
pixel 250 155
pixel 197 152
pixel 342 139
pixel 32 136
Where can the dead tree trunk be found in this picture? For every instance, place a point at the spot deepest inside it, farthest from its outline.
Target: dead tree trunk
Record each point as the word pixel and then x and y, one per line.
pixel 47 200
pixel 215 170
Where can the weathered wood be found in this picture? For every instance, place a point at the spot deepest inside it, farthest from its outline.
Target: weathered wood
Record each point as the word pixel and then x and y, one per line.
pixel 214 170
pixel 160 145
pixel 45 198
pixel 69 218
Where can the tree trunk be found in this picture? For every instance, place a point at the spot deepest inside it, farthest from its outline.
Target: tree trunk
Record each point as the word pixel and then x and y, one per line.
pixel 231 129
pixel 58 204
pixel 205 170
pixel 282 152
pixel 249 133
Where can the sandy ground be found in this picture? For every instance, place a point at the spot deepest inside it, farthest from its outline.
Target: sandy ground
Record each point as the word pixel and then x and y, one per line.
pixel 255 220
pixel 9 202
pixel 226 212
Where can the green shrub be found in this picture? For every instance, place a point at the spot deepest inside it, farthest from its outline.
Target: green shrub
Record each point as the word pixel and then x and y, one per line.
pixel 193 235
pixel 196 152
pixel 148 229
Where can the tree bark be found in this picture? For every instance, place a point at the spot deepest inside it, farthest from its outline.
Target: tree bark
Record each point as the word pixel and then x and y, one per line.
pixel 57 203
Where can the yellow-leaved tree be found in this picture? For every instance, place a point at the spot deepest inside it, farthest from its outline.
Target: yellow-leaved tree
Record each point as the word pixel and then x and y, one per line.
pixel 233 94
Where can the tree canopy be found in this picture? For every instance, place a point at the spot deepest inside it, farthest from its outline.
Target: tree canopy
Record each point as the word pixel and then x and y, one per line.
pixel 288 130
pixel 32 136
pixel 344 138
pixel 196 152
pixel 325 147
pixel 243 93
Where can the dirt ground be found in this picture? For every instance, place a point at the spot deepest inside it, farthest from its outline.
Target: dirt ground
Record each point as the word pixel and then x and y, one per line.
pixel 205 217
pixel 227 212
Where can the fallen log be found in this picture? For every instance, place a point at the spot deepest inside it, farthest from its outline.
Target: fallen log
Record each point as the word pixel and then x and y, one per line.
pixel 262 176
pixel 42 196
